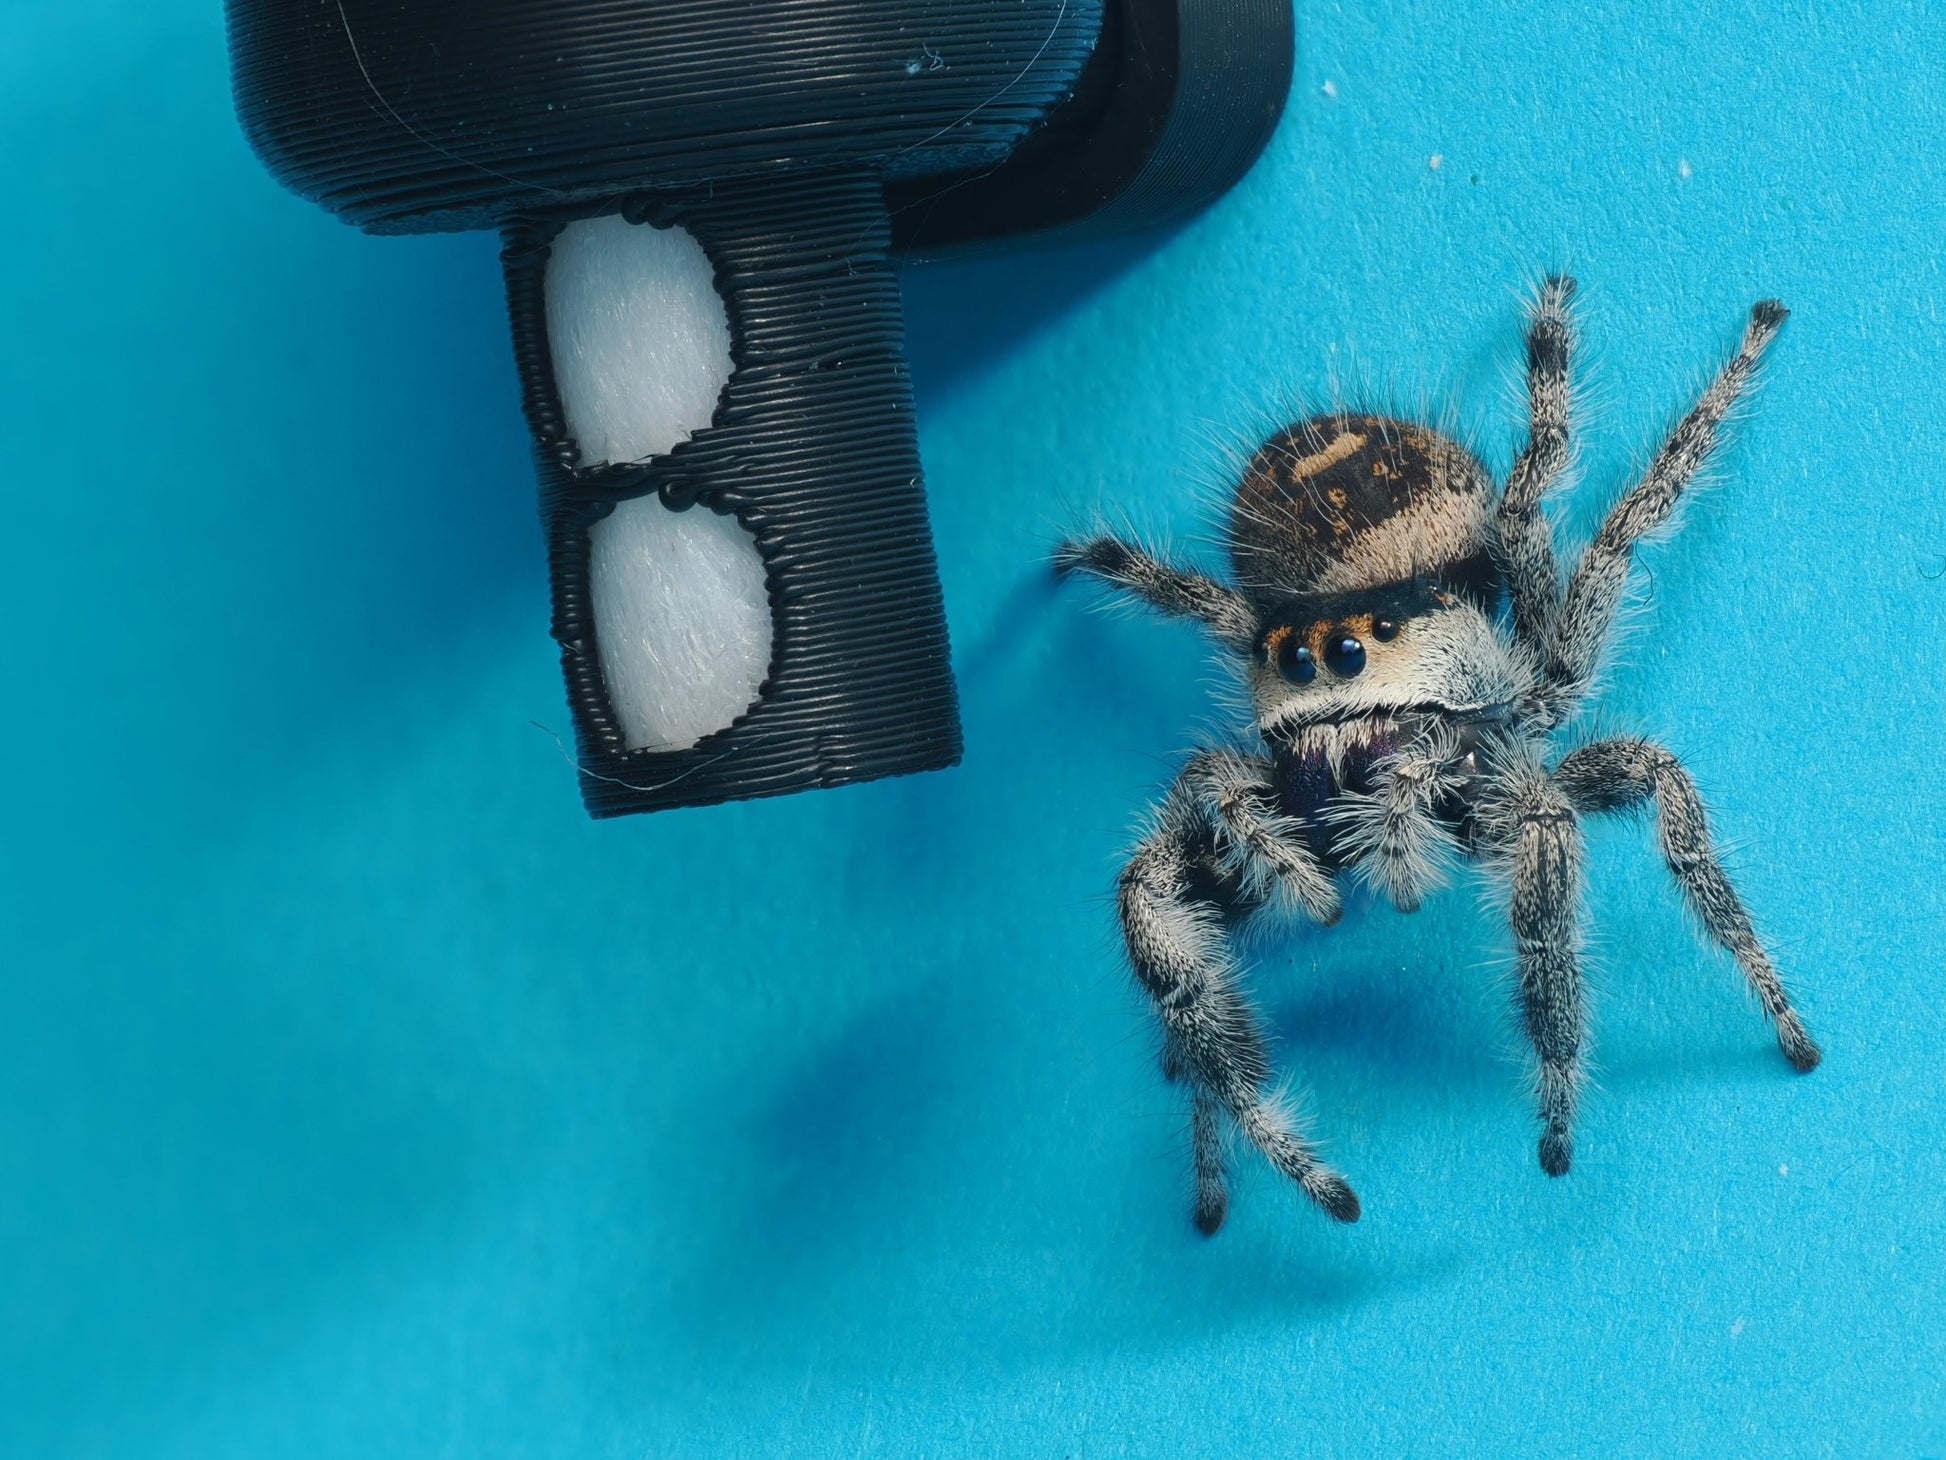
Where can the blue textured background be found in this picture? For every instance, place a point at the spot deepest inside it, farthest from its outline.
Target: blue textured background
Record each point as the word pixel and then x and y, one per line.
pixel 360 1097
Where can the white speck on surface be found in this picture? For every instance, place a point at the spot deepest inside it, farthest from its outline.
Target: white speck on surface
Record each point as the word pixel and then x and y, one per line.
pixel 1736 1328
pixel 1330 88
pixel 1683 168
pixel 1783 1171
pixel 1434 161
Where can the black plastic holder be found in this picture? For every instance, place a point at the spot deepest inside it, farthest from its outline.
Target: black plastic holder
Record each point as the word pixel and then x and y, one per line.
pixel 812 449
pixel 774 131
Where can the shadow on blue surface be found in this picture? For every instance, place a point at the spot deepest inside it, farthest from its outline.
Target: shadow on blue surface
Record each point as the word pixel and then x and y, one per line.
pixel 359 1097
pixel 963 315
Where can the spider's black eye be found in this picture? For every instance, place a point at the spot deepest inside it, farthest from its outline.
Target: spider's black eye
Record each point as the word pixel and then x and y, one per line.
pixel 1385 630
pixel 1344 654
pixel 1294 661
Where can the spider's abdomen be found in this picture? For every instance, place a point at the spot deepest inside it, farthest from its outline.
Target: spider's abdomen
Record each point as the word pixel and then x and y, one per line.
pixel 1344 502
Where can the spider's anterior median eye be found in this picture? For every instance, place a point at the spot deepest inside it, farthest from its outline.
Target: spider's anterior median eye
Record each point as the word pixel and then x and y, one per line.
pixel 1345 654
pixel 1385 630
pixel 1294 661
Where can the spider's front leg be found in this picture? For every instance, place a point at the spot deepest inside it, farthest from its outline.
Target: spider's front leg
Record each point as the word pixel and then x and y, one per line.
pixel 1179 949
pixel 1534 827
pixel 1586 618
pixel 1523 539
pixel 1614 775
pixel 1178 592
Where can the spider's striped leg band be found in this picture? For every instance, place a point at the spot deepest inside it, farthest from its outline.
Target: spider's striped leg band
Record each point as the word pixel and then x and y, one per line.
pixel 1177 947
pixel 1613 775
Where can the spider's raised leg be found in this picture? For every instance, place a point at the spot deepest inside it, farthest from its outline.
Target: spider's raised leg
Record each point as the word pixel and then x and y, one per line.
pixel 1176 944
pixel 1535 825
pixel 1172 590
pixel 1523 537
pixel 1587 612
pixel 1612 775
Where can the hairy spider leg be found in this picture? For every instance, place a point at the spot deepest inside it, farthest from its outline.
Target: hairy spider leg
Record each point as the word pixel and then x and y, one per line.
pixel 1621 773
pixel 1535 828
pixel 1175 591
pixel 1205 1140
pixel 1177 948
pixel 1523 538
pixel 1587 615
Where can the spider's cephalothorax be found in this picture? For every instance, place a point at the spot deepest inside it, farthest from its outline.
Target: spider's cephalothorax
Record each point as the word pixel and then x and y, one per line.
pixel 1409 646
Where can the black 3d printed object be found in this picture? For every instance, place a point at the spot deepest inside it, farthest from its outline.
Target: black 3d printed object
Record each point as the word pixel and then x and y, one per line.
pixel 774 131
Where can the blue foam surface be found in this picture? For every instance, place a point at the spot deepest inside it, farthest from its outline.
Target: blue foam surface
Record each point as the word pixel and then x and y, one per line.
pixel 360 1097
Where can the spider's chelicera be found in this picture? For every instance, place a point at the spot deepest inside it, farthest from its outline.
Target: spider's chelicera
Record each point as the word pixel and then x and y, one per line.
pixel 1410 646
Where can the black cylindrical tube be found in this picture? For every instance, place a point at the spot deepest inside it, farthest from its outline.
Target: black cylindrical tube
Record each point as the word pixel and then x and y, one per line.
pixel 813 449
pixel 770 130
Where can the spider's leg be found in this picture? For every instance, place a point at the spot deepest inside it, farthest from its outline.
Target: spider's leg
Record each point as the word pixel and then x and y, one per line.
pixel 1177 591
pixel 1177 946
pixel 1523 537
pixel 1205 1138
pixel 1536 826
pixel 1587 613
pixel 1611 775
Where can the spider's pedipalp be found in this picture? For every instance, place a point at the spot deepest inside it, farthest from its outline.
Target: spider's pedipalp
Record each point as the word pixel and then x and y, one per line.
pixel 1392 834
pixel 1260 845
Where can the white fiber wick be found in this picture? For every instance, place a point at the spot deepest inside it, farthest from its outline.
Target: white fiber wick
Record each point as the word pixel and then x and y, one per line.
pixel 639 339
pixel 681 620
pixel 640 344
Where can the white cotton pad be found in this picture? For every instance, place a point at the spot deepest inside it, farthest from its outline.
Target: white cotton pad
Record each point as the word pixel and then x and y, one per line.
pixel 681 620
pixel 640 344
pixel 639 339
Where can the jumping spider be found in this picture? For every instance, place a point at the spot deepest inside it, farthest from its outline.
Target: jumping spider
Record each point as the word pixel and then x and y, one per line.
pixel 1409 647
